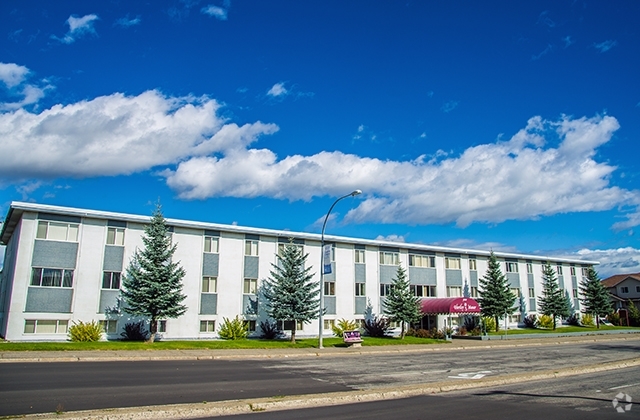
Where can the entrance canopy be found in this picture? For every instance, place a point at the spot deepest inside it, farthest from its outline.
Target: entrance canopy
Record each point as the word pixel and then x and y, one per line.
pixel 446 306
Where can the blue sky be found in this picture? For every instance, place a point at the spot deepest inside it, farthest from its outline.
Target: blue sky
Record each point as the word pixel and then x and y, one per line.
pixel 504 125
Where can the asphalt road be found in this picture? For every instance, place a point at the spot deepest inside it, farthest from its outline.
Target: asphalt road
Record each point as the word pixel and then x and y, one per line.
pixel 583 397
pixel 46 387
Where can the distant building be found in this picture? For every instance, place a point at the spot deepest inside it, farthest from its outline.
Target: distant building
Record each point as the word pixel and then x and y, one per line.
pixel 66 264
pixel 624 287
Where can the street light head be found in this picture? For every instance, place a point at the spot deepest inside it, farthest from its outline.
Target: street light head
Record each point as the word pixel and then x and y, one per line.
pixel 356 192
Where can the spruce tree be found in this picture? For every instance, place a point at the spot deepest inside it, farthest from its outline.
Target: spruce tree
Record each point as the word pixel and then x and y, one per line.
pixel 495 298
pixel 401 305
pixel 596 299
pixel 634 313
pixel 553 301
pixel 152 285
pixel 290 293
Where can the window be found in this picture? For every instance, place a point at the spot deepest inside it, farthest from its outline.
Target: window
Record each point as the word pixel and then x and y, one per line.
pixel 359 256
pixel 514 318
pixel 638 289
pixel 329 288
pixel 529 268
pixel 385 289
pixel 110 280
pixel 162 326
pixel 559 269
pixel 57 231
pixel 360 289
pixel 575 293
pixel 474 292
pixel 207 326
pixel 250 286
pixel 209 284
pixel 328 324
pixel 250 325
pixel 288 325
pixel 389 258
pixel 452 263
pixel 454 291
pixel 251 247
pixel 422 261
pixel 532 292
pixel 395 324
pixel 51 277
pixel 110 326
pixel 211 244
pixel 46 326
pixel 585 271
pixel 422 291
pixel 115 236
pixel 624 289
pixel 473 265
pixel 515 291
pixel 512 267
pixel 572 270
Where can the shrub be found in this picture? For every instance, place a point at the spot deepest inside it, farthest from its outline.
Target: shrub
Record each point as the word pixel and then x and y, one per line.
pixel 530 321
pixel 89 331
pixel 614 318
pixel 270 330
pixel 135 331
pixel 476 331
pixel 377 326
pixel 471 322
pixel 587 320
pixel 574 319
pixel 462 331
pixel 489 323
pixel 233 329
pixel 634 313
pixel 342 326
pixel 545 321
pixel 446 332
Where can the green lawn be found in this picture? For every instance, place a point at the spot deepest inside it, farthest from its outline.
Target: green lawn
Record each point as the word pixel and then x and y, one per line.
pixel 561 330
pixel 208 344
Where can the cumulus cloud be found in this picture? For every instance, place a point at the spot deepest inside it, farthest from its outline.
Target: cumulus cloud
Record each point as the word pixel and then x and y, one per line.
pixel 15 78
pixel 78 27
pixel 605 45
pixel 612 261
pixel 277 90
pixel 523 178
pixel 391 238
pixel 117 134
pixel 215 11
pixel 12 74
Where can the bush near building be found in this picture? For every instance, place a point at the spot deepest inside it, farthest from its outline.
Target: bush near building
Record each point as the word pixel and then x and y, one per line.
pixel 85 331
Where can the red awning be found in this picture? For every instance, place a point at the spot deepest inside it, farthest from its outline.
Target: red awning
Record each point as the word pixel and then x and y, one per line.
pixel 454 305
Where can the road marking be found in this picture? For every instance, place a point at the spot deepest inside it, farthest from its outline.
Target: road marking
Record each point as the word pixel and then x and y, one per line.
pixel 623 386
pixel 471 375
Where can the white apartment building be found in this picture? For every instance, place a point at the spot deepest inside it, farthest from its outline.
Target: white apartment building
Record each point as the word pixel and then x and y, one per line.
pixel 65 264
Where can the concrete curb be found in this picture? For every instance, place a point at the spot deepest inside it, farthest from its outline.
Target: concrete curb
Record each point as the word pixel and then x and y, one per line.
pixel 232 407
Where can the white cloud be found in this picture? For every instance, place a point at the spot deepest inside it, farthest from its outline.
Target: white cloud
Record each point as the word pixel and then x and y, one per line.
pixel 215 11
pixel 521 178
pixel 278 90
pixel 568 41
pixel 605 45
pixel 117 134
pixel 127 22
pixel 449 106
pixel 12 74
pixel 78 26
pixel 612 261
pixel 15 78
pixel 391 238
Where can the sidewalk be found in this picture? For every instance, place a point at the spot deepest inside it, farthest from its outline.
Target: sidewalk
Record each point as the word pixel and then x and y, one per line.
pixel 239 354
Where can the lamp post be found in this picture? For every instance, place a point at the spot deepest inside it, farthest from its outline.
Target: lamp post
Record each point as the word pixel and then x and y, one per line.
pixel 324 225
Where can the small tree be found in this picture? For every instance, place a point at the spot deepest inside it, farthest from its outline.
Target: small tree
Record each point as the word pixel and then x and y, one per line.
pixel 402 305
pixel 152 286
pixel 596 299
pixel 495 298
pixel 634 313
pixel 553 301
pixel 290 293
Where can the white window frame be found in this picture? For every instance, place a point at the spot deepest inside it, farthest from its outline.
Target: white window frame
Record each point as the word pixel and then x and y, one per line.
pixel 559 270
pixel 572 270
pixel 389 258
pixel 61 326
pixel 452 263
pixel 207 325
pixel 162 325
pixel 359 256
pixel 419 260
pixel 63 277
pixel 456 289
pixel 529 268
pixel 473 264
pixel 511 267
pixel 329 288
pixel 110 326
pixel 423 290
pixel 115 279
pixel 211 244
pixel 516 291
pixel 328 324
pixel 385 289
pixel 207 281
pixel 473 291
pixel 250 286
pixel 115 236
pixel 44 231
pixel 250 324
pixel 532 292
pixel 361 289
pixel 251 247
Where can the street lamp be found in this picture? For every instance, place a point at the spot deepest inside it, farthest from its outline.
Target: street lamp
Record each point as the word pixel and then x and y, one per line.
pixel 321 310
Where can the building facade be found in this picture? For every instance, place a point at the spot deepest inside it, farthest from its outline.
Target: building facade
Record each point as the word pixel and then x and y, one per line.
pixel 66 264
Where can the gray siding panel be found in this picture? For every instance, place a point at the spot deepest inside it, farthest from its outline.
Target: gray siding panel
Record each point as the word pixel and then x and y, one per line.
pixel 113 258
pixel 574 282
pixel 249 304
pixel 422 275
pixel 332 275
pixel 531 281
pixel 453 277
pixel 361 273
pixel 387 273
pixel 361 305
pixel 54 254
pixel 330 305
pixel 561 282
pixel 513 279
pixel 208 304
pixel 473 279
pixel 532 305
pixel 210 264
pixel 576 304
pixel 49 299
pixel 251 267
pixel 108 299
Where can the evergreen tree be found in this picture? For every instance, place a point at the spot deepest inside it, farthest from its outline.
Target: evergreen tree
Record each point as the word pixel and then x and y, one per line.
pixel 290 293
pixel 596 299
pixel 634 313
pixel 402 305
pixel 152 285
pixel 495 298
pixel 553 301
